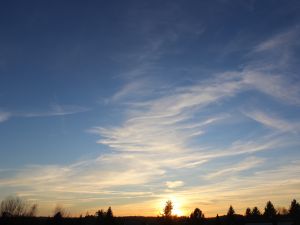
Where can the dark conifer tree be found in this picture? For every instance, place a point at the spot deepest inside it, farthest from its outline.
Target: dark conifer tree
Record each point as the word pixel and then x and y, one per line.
pixel 100 215
pixel 230 212
pixel 255 212
pixel 270 211
pixel 294 209
pixel 230 215
pixel 109 216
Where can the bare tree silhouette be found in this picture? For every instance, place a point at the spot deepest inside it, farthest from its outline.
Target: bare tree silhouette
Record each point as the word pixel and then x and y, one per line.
pixel 15 206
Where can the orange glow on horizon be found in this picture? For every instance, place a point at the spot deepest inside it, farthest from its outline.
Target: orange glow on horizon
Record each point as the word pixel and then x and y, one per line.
pixel 177 206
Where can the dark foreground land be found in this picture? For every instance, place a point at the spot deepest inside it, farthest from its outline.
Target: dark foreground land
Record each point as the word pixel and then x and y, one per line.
pixel 92 220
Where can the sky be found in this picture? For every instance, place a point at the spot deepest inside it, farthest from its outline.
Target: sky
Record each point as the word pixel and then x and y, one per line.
pixel 131 103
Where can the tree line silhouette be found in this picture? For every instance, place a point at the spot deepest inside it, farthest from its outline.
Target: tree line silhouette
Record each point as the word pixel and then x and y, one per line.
pixel 15 211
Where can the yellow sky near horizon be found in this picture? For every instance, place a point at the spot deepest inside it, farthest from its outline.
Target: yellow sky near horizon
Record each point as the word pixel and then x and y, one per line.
pixel 181 207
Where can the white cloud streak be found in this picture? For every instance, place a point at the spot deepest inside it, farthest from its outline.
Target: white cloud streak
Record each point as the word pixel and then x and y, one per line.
pixel 246 164
pixel 4 116
pixel 277 86
pixel 55 110
pixel 281 40
pixel 174 184
pixel 273 121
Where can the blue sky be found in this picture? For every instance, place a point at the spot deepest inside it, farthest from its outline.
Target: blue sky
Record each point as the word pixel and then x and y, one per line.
pixel 132 103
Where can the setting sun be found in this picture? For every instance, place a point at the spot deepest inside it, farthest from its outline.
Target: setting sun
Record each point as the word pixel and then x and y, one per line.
pixel 177 211
pixel 177 206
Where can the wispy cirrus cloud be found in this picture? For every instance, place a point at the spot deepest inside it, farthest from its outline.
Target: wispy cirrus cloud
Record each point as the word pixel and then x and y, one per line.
pixel 169 122
pixel 282 40
pixel 274 85
pixel 55 110
pixel 4 116
pixel 246 164
pixel 163 124
pixel 272 121
pixel 168 131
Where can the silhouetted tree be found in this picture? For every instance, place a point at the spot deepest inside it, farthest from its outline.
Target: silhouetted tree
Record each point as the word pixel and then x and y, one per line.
pixel 230 215
pixel 218 221
pixel 294 209
pixel 197 217
pixel 255 212
pixel 230 212
pixel 109 217
pixel 60 211
pixel 248 212
pixel 166 218
pixel 270 211
pixel 32 211
pixel 106 218
pixel 100 215
pixel 15 206
pixel 59 214
pixel 109 213
pixel 168 209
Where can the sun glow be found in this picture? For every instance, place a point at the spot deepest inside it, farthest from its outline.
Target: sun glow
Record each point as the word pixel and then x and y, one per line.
pixel 177 206
pixel 177 211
